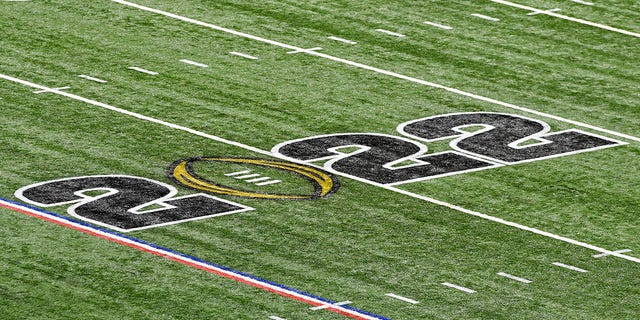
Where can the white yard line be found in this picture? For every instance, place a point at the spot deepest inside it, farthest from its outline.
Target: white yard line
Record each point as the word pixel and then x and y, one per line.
pixel 52 89
pixel 543 11
pixel 401 298
pixel 561 16
pixel 378 70
pixel 602 255
pixel 324 306
pixel 268 153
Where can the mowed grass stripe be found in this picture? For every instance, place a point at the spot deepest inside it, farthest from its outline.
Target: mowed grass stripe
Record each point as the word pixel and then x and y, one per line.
pixel 377 70
pixel 379 261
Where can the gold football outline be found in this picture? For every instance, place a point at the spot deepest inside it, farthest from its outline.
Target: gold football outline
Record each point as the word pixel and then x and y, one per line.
pixel 183 173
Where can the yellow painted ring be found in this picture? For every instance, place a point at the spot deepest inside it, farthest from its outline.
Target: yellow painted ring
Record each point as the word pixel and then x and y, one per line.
pixel 183 173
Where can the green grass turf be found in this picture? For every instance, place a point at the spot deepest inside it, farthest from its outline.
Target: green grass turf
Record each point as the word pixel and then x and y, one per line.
pixel 362 242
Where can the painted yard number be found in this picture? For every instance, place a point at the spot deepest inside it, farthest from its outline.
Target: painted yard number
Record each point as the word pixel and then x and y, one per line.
pixel 127 203
pixel 503 139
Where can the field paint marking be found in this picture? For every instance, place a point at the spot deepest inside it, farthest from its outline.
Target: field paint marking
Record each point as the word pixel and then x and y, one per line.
pixel 301 50
pixel 258 179
pixel 566 266
pixel 342 40
pixel 482 16
pixel 237 173
pixel 51 90
pixel 189 260
pixel 582 21
pixel 381 71
pixel 437 25
pixel 512 277
pixel 268 153
pixel 266 183
pixel 391 33
pixel 543 11
pixel 92 78
pixel 583 2
pixel 401 298
pixel 253 175
pixel 606 254
pixel 153 73
pixel 276 318
pixel 343 303
pixel 197 64
pixel 244 55
pixel 457 287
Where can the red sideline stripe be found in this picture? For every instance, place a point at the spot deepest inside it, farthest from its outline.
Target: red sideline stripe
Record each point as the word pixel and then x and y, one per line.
pixel 184 260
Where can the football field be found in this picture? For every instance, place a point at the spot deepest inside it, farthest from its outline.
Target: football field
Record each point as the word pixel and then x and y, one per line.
pixel 315 159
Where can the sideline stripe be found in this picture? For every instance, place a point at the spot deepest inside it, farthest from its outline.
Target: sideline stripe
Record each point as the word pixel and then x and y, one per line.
pixel 189 260
pixel 561 16
pixel 267 153
pixel 377 70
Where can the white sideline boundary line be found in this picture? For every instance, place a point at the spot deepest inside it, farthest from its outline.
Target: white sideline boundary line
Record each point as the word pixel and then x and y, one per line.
pixel 378 70
pixel 190 261
pixel 270 154
pixel 561 16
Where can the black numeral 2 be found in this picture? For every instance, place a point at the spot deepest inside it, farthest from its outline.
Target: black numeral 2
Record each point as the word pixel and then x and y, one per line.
pixel 497 139
pixel 125 203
